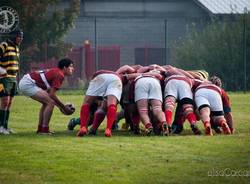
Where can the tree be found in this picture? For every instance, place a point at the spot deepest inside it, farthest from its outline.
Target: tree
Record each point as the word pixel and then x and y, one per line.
pixel 44 24
pixel 218 48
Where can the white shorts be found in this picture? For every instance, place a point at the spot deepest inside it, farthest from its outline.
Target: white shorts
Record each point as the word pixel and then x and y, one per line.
pixel 27 86
pixel 178 89
pixel 148 88
pixel 104 85
pixel 208 97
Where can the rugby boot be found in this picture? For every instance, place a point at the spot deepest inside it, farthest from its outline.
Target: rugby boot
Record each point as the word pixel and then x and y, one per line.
pixel 92 131
pixel 108 132
pixel 208 129
pixel 225 128
pixel 148 129
pixel 166 130
pixel 195 129
pixel 82 132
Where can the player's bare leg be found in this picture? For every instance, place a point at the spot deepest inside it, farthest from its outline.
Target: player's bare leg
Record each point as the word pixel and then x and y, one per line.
pixel 47 109
pixel 205 118
pixel 142 106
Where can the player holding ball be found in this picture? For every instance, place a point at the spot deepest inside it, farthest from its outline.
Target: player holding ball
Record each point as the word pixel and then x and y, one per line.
pixel 42 87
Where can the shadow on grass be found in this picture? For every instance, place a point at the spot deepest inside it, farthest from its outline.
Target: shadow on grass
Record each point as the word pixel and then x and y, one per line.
pixel 100 133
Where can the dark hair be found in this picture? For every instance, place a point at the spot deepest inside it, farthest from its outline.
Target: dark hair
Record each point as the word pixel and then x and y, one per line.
pixel 216 80
pixel 65 62
pixel 15 33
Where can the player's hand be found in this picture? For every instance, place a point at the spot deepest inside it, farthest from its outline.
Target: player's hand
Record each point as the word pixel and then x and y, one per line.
pixel 68 109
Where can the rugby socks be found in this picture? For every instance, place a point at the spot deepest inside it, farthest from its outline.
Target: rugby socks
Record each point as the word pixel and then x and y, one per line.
pixel 168 115
pixel 191 118
pixel 148 126
pixel 98 118
pixel 4 118
pixel 111 115
pixel 2 112
pixel 84 114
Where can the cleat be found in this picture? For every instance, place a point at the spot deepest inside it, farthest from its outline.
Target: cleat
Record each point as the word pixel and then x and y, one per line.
pixel 82 132
pixel 148 131
pixel 176 128
pixel 216 128
pixel 166 130
pixel 4 131
pixel 71 124
pixel 195 129
pixel 115 126
pixel 136 130
pixel 108 132
pixel 44 131
pixel 92 131
pixel 225 128
pixel 208 129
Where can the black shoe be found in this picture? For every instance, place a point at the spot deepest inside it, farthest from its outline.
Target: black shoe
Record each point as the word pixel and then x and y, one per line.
pixel 149 131
pixel 216 128
pixel 72 123
pixel 166 130
pixel 92 131
pixel 177 129
pixel 195 130
pixel 115 126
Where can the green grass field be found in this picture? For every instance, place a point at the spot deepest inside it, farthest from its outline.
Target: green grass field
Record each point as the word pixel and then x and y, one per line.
pixel 64 158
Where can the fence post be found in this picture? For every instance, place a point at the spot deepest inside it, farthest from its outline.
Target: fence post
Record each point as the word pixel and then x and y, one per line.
pixel 87 58
pixel 245 50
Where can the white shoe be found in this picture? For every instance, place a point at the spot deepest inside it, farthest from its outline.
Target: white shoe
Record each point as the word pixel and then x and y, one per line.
pixel 5 131
pixel 10 130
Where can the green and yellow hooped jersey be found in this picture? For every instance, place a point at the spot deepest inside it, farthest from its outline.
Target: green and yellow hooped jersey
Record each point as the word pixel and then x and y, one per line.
pixel 9 58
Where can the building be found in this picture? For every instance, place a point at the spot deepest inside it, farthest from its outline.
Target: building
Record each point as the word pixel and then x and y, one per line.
pixel 142 31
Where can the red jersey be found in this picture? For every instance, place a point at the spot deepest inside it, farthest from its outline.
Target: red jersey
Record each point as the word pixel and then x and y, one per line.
pixel 225 101
pixel 54 77
pixel 99 72
pixel 179 77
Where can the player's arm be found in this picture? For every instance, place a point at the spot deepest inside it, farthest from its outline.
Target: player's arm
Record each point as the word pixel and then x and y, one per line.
pixel 3 47
pixel 227 110
pixel 143 69
pixel 125 69
pixel 65 109
pixel 131 76
pixel 229 118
